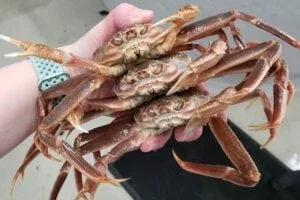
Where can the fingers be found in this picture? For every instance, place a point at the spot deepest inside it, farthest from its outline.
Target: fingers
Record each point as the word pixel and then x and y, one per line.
pixel 156 142
pixel 119 18
pixel 182 136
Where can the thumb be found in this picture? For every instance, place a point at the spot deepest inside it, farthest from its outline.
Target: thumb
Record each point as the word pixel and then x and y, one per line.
pixel 119 18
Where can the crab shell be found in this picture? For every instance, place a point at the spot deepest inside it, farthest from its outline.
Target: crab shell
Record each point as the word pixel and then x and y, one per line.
pixel 142 41
pixel 170 111
pixel 154 76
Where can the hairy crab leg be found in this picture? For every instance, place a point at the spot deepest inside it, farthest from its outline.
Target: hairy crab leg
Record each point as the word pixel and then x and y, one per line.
pixel 246 173
pixel 208 26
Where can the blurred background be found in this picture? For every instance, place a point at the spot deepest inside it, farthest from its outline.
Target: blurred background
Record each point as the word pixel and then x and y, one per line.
pixel 59 23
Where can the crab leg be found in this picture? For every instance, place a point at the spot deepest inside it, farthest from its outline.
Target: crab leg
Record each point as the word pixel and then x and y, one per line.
pixel 32 153
pixel 117 104
pixel 110 135
pixel 202 63
pixel 246 173
pixel 73 157
pixel 31 49
pixel 264 63
pixel 63 173
pixel 197 74
pixel 70 102
pixel 97 139
pixel 291 91
pixel 267 109
pixel 237 36
pixel 281 95
pixel 131 144
pixel 210 25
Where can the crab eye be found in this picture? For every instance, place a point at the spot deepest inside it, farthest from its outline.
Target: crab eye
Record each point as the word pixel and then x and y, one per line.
pixel 157 68
pixel 117 41
pixel 142 75
pixel 131 34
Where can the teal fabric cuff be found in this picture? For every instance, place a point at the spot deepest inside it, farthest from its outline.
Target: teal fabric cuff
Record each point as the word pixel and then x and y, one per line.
pixel 49 73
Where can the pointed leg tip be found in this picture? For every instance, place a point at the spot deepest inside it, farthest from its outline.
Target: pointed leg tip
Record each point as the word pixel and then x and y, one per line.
pixel 261 127
pixel 5 38
pixel 176 157
pixel 82 195
pixel 116 182
pixel 263 146
pixel 12 55
pixel 170 92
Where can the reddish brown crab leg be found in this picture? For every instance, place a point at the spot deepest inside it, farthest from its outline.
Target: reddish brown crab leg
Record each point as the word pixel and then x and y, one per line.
pixel 281 95
pixel 197 74
pixel 117 104
pixel 246 173
pixel 96 139
pixel 70 102
pixel 109 135
pixel 63 173
pixel 32 153
pixel 267 108
pixel 73 157
pixel 210 25
pixel 131 144
pixel 292 91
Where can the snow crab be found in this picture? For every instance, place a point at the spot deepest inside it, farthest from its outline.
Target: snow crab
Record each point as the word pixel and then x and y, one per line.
pixel 133 47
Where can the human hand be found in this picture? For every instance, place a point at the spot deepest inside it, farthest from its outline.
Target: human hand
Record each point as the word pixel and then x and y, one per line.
pixel 119 18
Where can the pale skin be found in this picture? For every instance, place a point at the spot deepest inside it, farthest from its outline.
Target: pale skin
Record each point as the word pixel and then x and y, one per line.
pixel 19 88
